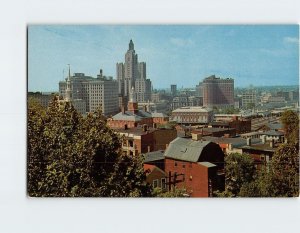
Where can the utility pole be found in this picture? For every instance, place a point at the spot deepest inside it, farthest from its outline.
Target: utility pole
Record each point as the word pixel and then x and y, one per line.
pixel 173 179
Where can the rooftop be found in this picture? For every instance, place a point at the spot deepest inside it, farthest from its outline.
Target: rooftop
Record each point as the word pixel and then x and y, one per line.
pixel 192 109
pixel 154 156
pixel 185 149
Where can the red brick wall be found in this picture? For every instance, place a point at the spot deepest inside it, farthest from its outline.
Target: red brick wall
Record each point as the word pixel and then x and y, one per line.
pixel 163 137
pixel 196 176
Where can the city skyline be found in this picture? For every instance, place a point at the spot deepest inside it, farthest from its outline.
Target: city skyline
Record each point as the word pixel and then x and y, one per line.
pixel 182 55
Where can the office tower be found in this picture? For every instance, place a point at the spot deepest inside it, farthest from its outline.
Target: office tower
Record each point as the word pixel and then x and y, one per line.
pixel 173 89
pixel 249 98
pixel 130 74
pixel 96 93
pixel 218 92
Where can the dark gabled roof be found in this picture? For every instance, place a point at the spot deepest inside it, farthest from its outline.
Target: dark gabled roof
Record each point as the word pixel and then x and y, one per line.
pixel 185 149
pixel 154 156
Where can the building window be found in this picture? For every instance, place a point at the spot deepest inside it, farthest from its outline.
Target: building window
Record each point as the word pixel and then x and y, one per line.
pixel 163 183
pixel 155 183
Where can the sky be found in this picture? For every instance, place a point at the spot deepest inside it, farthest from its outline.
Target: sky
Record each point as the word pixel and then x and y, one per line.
pixel 258 55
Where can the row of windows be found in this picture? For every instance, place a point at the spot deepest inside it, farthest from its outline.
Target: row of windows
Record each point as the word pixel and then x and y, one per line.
pixel 163 183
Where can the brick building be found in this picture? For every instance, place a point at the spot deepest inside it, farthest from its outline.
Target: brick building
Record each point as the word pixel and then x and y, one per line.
pixel 134 117
pixel 218 92
pixel 199 165
pixel 155 176
pixel 143 139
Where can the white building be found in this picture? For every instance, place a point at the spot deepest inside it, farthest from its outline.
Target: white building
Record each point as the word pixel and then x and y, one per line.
pixel 92 93
pixel 192 115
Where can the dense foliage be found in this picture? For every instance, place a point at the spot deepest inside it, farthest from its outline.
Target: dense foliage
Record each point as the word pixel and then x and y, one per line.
pixel 73 156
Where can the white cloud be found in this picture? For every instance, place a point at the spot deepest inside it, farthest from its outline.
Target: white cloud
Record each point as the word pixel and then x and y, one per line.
pixel 180 42
pixel 291 40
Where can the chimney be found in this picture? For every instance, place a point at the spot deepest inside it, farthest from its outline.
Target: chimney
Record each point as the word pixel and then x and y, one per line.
pixel 264 139
pixel 125 126
pixel 248 141
pixel 145 128
pixel 272 143
pixel 148 148
pixel 196 136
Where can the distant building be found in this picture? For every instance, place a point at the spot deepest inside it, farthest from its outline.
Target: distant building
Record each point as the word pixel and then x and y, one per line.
pixel 155 97
pixel 218 92
pixel 94 93
pixel 42 98
pixel 186 101
pixel 192 115
pixel 197 166
pixel 241 125
pixel 249 98
pixel 173 89
pixel 199 90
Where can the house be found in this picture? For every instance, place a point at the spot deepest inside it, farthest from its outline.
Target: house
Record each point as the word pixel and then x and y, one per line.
pixel 241 125
pixel 230 145
pixel 143 139
pixel 262 152
pixel 196 165
pixel 155 176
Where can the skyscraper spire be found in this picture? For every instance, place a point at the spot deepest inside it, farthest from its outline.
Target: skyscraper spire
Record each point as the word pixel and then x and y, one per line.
pixel 131 45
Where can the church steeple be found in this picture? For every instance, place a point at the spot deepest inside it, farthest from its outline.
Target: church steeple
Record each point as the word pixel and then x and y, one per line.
pixel 131 45
pixel 132 104
pixel 68 89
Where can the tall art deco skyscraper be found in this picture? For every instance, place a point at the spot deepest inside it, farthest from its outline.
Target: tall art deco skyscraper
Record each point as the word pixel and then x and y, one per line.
pixel 130 74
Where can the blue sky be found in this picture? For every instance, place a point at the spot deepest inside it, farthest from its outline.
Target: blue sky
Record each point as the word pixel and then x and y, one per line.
pixel 182 55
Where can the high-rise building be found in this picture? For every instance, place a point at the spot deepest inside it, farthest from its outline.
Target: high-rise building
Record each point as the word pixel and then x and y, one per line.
pixel 218 92
pixel 96 93
pixel 173 89
pixel 130 74
pixel 249 98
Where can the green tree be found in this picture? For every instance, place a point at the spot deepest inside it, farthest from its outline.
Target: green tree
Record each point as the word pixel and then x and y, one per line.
pixel 239 170
pixel 280 178
pixel 290 121
pixel 70 156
